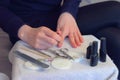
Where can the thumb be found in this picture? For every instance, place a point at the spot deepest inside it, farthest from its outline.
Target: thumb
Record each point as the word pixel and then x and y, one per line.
pixel 59 31
pixel 63 35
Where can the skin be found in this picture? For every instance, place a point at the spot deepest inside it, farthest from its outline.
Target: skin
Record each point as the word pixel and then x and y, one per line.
pixel 67 26
pixel 43 37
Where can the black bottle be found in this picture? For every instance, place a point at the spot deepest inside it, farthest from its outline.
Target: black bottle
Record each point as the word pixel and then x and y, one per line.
pixel 89 51
pixel 94 54
pixel 103 50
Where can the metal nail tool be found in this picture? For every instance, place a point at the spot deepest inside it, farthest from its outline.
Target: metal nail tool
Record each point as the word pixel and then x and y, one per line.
pixel 60 52
pixel 34 61
pixel 64 51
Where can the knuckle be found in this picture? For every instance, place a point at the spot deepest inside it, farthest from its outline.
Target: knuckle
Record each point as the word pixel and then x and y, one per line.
pixel 39 35
pixel 53 42
pixel 43 28
pixel 53 35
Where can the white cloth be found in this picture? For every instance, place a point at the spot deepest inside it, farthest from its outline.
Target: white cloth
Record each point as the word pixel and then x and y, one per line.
pixel 88 2
pixel 3 77
pixel 79 71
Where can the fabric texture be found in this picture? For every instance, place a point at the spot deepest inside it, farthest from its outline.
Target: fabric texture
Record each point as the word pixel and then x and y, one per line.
pixel 80 69
pixel 3 77
pixel 5 65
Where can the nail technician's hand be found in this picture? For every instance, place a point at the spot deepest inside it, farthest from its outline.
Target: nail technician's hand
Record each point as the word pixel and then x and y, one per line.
pixel 40 38
pixel 67 26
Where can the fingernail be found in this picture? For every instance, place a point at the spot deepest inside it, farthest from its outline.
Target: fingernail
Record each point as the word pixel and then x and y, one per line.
pixel 74 46
pixel 79 44
pixel 59 44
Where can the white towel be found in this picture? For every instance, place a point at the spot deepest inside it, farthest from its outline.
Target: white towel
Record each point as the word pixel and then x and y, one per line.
pixel 3 77
pixel 79 71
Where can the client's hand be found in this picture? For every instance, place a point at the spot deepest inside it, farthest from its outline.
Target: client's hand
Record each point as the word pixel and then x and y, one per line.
pixel 40 38
pixel 67 26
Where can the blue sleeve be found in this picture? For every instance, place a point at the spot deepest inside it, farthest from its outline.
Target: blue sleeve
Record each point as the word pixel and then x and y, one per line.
pixel 71 6
pixel 9 22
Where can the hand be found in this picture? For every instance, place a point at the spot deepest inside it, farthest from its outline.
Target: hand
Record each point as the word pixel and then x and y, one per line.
pixel 67 26
pixel 39 38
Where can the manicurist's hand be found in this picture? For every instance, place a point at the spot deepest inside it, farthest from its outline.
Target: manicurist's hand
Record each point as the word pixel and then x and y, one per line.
pixel 67 26
pixel 39 38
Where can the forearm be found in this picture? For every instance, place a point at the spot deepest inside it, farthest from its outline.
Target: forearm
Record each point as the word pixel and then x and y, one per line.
pixel 9 22
pixel 70 6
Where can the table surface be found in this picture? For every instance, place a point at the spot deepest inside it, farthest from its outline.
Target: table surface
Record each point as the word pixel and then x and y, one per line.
pixel 79 71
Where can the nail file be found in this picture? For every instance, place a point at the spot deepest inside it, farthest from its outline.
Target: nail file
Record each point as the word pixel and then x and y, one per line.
pixel 34 61
pixel 31 50
pixel 31 66
pixel 56 53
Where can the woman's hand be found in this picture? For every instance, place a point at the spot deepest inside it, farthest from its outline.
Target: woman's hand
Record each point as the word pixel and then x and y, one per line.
pixel 67 26
pixel 39 38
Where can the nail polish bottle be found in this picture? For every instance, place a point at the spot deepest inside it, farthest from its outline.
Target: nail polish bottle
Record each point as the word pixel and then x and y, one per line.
pixel 103 50
pixel 89 51
pixel 94 54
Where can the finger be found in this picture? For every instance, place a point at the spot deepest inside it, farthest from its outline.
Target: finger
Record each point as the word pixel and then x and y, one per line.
pixel 77 40
pixel 72 40
pixel 44 45
pixel 53 35
pixel 59 31
pixel 80 36
pixel 61 42
pixel 63 35
pixel 49 40
pixel 41 44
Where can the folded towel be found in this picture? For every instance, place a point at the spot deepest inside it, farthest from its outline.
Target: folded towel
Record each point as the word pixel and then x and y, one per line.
pixel 80 70
pixel 3 77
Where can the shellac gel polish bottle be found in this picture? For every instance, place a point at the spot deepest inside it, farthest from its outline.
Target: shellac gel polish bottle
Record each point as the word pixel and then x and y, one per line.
pixel 103 50
pixel 94 54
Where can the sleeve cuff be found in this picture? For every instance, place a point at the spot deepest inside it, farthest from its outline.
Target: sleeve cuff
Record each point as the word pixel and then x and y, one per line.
pixel 70 6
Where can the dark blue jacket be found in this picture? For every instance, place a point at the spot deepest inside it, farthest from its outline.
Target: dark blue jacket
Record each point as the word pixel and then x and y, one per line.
pixel 15 13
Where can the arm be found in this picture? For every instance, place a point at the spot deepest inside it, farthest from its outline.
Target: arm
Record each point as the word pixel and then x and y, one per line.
pixel 67 25
pixel 70 6
pixel 40 38
pixel 9 22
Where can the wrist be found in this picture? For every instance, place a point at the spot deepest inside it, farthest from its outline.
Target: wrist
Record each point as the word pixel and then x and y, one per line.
pixel 23 31
pixel 66 13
